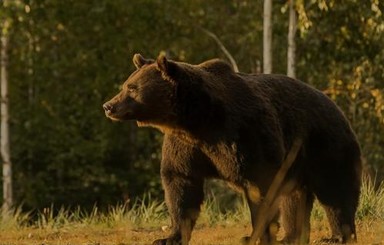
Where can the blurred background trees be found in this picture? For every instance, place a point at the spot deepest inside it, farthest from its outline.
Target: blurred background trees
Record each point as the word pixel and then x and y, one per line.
pixel 67 57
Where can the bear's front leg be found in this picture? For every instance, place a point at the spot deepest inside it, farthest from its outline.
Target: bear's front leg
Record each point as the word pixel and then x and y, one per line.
pixel 183 169
pixel 183 196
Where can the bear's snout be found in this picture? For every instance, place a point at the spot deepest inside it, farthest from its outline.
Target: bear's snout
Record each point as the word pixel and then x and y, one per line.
pixel 108 108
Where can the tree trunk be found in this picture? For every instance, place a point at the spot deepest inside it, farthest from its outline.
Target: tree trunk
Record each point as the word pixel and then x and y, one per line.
pixel 267 37
pixel 291 54
pixel 4 142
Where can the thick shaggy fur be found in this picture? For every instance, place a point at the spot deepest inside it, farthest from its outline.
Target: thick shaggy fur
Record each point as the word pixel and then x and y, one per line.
pixel 239 128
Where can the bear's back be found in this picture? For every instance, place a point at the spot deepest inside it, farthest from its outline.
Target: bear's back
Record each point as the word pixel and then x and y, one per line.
pixel 293 96
pixel 301 107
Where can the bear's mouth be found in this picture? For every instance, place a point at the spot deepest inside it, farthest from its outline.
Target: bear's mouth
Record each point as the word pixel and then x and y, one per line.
pixel 142 123
pixel 113 118
pixel 125 116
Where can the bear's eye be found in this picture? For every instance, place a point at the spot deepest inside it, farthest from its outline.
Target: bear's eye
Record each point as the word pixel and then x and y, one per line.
pixel 131 88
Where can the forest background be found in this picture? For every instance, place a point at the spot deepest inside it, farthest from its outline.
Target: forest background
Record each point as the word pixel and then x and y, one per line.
pixel 65 58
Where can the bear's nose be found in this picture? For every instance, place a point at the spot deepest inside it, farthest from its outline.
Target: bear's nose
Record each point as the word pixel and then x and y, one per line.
pixel 108 107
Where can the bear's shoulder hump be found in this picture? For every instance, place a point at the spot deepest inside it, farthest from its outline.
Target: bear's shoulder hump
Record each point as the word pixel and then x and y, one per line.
pixel 216 66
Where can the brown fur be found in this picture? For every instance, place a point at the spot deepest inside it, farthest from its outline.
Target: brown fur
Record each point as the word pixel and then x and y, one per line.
pixel 239 128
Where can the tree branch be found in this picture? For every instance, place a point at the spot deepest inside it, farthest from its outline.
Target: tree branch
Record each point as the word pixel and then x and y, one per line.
pixel 222 47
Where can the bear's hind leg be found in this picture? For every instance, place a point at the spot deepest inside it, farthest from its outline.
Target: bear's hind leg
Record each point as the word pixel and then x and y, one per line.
pixel 295 212
pixel 342 223
pixel 339 197
pixel 264 215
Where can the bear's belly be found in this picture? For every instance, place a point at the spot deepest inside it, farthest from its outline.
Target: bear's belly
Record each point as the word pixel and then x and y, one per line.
pixel 227 162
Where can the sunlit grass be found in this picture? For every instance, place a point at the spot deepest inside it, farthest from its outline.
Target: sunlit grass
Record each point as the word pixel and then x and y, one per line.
pixel 146 212
pixel 213 213
pixel 14 219
pixel 371 201
pixel 143 219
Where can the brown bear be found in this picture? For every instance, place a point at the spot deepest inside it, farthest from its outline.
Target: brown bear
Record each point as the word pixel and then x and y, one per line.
pixel 239 128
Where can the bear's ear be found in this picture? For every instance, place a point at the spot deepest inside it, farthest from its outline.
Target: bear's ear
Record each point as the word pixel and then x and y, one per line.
pixel 162 63
pixel 140 61
pixel 167 68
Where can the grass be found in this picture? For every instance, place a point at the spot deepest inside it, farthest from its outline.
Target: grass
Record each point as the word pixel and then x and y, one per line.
pixel 145 220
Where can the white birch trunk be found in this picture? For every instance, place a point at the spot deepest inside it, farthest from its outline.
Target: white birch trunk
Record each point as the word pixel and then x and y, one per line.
pixel 4 141
pixel 291 54
pixel 267 37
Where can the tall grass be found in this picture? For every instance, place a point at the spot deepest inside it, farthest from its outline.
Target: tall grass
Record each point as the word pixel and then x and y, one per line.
pixel 371 200
pixel 150 213
pixel 146 212
pixel 213 212
pixel 14 219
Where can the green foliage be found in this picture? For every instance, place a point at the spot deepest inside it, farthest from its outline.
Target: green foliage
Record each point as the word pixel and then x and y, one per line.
pixel 65 151
pixel 68 57
pixel 342 53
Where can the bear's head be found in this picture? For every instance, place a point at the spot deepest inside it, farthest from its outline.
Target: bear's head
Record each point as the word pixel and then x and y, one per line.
pixel 145 96
pixel 167 94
